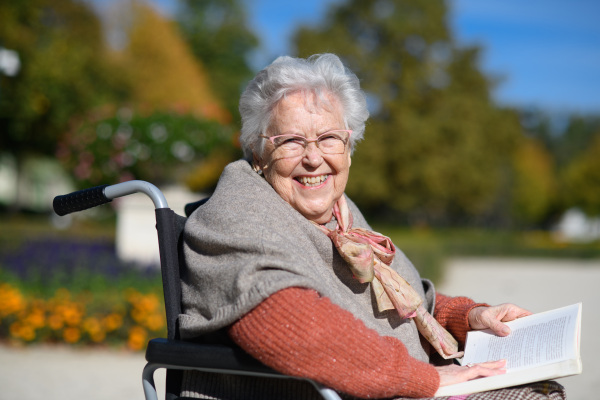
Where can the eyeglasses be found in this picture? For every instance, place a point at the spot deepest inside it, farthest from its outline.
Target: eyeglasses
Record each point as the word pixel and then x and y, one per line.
pixel 332 142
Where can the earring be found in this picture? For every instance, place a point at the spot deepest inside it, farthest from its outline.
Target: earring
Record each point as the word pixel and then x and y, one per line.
pixel 257 169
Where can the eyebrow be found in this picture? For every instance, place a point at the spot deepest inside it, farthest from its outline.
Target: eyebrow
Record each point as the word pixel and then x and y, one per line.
pixel 318 134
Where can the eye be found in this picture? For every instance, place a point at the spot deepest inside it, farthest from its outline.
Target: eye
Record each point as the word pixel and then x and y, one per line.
pixel 329 137
pixel 289 141
pixel 292 140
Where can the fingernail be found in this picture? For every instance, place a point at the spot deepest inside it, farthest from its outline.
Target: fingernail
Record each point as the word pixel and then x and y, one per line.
pixel 506 330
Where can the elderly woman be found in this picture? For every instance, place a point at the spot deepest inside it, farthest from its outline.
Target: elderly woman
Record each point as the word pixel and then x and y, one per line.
pixel 284 263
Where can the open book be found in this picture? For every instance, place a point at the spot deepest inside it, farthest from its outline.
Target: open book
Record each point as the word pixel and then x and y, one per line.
pixel 540 347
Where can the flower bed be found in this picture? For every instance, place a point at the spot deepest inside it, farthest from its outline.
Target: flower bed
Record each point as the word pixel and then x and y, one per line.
pixel 77 292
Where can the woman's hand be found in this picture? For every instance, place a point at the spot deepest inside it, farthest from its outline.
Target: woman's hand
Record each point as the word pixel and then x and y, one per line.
pixel 451 374
pixel 492 317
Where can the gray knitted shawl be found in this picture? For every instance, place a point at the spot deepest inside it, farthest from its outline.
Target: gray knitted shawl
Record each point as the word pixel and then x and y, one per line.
pixel 247 243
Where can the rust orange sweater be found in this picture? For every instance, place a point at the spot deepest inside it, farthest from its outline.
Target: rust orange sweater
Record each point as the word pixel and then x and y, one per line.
pixel 299 333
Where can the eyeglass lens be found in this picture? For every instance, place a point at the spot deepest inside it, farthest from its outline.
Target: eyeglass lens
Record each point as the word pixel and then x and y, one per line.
pixel 329 143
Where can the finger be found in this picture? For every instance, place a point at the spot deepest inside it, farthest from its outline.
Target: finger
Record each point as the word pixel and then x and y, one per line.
pixel 499 328
pixel 514 312
pixel 489 368
pixel 488 364
pixel 523 313
pixel 493 364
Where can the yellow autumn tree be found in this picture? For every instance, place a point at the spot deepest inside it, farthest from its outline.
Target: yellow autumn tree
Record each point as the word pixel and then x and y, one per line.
pixel 534 187
pixel 164 73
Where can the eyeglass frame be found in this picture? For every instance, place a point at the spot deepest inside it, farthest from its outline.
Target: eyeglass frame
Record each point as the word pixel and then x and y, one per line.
pixel 308 141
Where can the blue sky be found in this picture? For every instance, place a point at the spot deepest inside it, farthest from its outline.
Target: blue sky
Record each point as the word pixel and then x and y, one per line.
pixel 546 51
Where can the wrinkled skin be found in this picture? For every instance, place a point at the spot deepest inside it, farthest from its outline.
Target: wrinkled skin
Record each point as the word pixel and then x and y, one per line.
pixel 493 317
pixel 451 374
pixel 303 114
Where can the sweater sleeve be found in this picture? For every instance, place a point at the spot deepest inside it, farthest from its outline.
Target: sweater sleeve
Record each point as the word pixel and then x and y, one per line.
pixel 299 333
pixel 453 314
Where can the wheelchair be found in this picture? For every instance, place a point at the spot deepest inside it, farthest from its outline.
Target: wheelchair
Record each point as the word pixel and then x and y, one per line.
pixel 171 353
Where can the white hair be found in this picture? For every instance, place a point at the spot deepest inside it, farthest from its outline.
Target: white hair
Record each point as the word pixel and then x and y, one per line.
pixel 320 74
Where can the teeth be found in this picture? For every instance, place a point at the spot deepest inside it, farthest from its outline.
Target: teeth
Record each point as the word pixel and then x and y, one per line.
pixel 312 180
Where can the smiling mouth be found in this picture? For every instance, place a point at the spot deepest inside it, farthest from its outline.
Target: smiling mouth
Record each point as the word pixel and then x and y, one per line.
pixel 311 181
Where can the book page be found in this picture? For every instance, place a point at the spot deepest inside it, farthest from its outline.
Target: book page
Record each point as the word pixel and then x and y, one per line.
pixel 541 346
pixel 535 340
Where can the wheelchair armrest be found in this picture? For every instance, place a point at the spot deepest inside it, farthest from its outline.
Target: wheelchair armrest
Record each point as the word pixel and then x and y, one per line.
pixel 200 355
pixel 179 354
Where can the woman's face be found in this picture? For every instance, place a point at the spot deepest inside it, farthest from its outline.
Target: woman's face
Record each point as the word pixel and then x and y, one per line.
pixel 313 181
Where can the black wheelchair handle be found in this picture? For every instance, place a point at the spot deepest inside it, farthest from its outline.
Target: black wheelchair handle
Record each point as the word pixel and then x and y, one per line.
pixel 92 197
pixel 80 200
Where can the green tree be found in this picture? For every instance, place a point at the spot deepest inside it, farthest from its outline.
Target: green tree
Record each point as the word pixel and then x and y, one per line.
pixel 63 74
pixel 579 134
pixel 437 149
pixel 571 144
pixel 534 185
pixel 580 180
pixel 220 38
pixel 566 138
pixel 170 122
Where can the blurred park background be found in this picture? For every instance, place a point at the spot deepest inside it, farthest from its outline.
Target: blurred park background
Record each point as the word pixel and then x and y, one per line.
pixel 454 164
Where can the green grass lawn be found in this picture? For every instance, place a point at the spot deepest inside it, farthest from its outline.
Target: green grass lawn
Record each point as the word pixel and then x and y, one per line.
pixel 19 228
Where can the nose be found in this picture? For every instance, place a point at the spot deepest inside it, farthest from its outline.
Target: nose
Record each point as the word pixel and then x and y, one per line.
pixel 312 155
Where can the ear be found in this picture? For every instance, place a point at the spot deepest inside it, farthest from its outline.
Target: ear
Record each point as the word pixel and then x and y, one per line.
pixel 255 159
pixel 256 163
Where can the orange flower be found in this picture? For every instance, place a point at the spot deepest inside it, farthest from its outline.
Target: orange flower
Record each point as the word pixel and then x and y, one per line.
pixel 112 322
pixel 71 334
pixel 36 318
pixel 148 303
pixel 11 300
pixel 137 315
pixel 137 338
pixel 144 308
pixel 22 331
pixel 98 337
pixel 65 315
pixel 55 322
pixel 91 325
pixel 94 329
pixel 72 313
pixel 154 322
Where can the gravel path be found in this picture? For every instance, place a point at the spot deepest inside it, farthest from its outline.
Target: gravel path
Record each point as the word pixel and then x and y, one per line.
pixel 538 285
pixel 60 372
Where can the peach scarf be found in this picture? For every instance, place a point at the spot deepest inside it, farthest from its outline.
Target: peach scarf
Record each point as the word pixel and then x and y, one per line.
pixel 369 255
